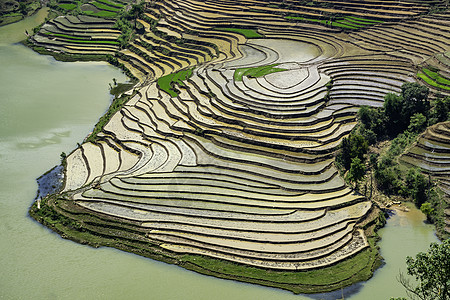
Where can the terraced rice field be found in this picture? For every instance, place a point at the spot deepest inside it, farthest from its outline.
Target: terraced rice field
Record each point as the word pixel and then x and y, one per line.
pixel 431 154
pixel 226 149
pixel 78 35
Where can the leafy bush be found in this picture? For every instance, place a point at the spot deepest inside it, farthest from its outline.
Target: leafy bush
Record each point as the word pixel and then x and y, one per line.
pixel 409 110
pixel 355 146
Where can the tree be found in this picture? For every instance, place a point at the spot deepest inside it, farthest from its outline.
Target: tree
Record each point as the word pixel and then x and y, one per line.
pixel 415 100
pixel 357 170
pixel 431 270
pixel 393 109
pixel 441 109
pixel 400 108
pixel 353 146
pixel 418 123
pixel 427 209
pixel 417 185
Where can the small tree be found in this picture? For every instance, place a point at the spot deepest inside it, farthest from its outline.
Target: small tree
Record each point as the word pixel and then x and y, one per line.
pixel 357 170
pixel 418 185
pixel 418 123
pixel 431 270
pixel 427 209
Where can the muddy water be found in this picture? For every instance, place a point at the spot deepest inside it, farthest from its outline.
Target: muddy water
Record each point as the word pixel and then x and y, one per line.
pixel 46 108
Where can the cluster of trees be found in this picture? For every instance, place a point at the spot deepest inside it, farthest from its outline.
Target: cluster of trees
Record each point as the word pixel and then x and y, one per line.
pixel 400 119
pixel 127 24
pixel 409 111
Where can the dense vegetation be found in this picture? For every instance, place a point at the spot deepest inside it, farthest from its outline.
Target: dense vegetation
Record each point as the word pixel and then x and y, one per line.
pixel 398 122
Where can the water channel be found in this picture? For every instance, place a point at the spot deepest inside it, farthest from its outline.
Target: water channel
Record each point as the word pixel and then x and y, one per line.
pixel 46 108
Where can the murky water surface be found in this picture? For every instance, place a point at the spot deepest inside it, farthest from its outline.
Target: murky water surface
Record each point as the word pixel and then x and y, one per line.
pixel 49 106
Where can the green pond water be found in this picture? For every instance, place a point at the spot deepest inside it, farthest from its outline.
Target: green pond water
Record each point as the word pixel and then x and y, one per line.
pixel 46 107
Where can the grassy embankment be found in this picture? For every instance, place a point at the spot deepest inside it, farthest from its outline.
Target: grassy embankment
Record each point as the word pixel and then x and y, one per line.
pixel 73 222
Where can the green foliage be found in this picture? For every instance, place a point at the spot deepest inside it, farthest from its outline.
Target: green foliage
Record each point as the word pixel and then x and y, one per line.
pixel 102 14
pixel 427 209
pixel 357 170
pixel 67 6
pixel 167 83
pixel 415 100
pixel 103 6
pixel 417 185
pixel 441 110
pixel 127 24
pixel 418 123
pixel 393 108
pixel 401 118
pixel 353 146
pixel 409 110
pixel 126 29
pixel 433 78
pixel 109 3
pixel 431 271
pixel 373 121
pixel 390 178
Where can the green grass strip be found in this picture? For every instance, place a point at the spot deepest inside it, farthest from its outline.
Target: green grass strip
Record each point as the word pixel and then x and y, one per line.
pixel 67 6
pixel 109 3
pixel 104 7
pixel 248 33
pixel 256 71
pixel 436 77
pixel 294 18
pixel 432 82
pixel 102 14
pixel 350 23
pixel 166 83
pixel 337 24
pixel 14 14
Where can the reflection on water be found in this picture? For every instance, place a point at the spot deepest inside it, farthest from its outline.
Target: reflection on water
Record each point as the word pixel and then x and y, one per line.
pixel 49 106
pixel 38 142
